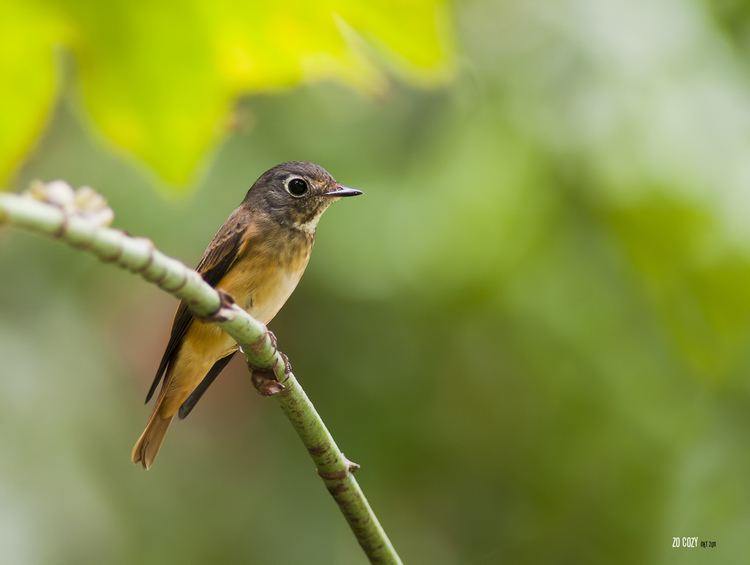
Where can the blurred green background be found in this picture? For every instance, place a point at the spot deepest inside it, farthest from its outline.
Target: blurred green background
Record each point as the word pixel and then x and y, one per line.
pixel 532 332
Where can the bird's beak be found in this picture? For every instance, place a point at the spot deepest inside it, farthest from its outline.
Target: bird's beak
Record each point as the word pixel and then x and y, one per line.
pixel 341 191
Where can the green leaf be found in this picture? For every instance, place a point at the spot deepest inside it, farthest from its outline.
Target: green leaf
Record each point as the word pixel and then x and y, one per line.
pixel 28 72
pixel 159 79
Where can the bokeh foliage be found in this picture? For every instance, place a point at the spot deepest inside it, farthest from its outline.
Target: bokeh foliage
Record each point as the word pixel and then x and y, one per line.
pixel 532 331
pixel 159 78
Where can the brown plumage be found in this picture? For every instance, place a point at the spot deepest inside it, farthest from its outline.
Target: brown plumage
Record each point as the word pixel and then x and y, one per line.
pixel 258 256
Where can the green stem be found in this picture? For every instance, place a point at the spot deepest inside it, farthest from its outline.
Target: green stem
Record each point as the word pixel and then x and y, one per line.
pixel 336 471
pixel 138 255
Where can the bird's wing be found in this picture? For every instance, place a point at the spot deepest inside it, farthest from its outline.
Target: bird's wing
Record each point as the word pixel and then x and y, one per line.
pixel 227 245
pixel 187 406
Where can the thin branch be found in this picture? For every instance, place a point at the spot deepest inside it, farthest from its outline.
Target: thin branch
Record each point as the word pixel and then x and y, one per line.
pixel 80 219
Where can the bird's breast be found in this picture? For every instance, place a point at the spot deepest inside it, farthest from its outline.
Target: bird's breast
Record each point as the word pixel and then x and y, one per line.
pixel 262 280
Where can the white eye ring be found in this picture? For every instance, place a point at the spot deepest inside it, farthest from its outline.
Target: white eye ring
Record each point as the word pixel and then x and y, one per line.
pixel 297 186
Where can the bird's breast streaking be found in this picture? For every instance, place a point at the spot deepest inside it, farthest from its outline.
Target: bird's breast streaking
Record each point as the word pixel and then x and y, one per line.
pixel 263 278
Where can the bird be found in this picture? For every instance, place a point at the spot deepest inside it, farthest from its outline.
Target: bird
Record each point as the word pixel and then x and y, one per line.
pixel 257 257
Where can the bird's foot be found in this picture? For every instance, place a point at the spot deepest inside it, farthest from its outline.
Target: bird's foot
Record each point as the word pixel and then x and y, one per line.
pixel 284 357
pixel 287 364
pixel 265 382
pixel 273 338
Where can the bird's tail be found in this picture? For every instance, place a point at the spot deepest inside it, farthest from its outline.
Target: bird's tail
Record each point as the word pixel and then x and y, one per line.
pixel 147 446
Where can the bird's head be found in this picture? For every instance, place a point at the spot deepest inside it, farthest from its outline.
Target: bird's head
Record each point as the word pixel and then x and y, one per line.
pixel 296 193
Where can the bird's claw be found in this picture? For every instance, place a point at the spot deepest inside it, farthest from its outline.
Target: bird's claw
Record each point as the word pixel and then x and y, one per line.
pixel 265 382
pixel 284 357
pixel 287 364
pixel 273 338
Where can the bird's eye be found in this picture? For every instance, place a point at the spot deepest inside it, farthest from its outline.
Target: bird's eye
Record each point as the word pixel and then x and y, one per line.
pixel 297 187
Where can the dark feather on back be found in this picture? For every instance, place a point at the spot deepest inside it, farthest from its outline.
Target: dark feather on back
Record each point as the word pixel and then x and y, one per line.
pixel 218 258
